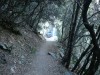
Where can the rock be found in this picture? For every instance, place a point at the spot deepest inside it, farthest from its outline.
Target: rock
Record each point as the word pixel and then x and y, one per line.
pixel 22 57
pixel 5 47
pixel 20 62
pixel 13 69
pixel 52 54
pixel 14 61
pixel 2 58
pixel 61 54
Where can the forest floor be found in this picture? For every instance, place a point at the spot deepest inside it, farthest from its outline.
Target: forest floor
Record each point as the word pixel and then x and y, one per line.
pixel 45 64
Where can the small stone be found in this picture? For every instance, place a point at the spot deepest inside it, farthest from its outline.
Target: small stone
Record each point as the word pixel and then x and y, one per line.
pixel 52 54
pixel 20 62
pixel 22 57
pixel 12 70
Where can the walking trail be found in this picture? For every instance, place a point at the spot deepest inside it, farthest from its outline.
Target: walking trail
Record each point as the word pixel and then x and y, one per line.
pixel 44 64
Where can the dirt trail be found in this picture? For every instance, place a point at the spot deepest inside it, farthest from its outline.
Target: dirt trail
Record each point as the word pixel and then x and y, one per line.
pixel 44 64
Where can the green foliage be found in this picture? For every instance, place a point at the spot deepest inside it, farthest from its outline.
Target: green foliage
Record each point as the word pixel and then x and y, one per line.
pixel 33 50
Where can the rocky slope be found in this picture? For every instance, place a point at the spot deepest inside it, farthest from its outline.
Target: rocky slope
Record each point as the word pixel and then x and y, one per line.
pixel 16 51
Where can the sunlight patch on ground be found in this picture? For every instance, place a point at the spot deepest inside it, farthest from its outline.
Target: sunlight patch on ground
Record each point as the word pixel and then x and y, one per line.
pixel 53 38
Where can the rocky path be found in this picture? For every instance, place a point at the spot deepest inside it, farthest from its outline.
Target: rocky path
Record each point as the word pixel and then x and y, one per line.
pixel 44 64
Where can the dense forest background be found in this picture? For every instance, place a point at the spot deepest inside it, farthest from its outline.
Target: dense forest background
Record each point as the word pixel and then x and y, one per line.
pixel 77 23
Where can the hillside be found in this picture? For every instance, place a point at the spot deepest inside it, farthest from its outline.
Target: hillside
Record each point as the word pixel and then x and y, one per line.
pixel 16 50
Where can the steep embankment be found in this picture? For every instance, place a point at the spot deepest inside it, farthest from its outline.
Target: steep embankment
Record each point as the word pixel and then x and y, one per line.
pixel 22 48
